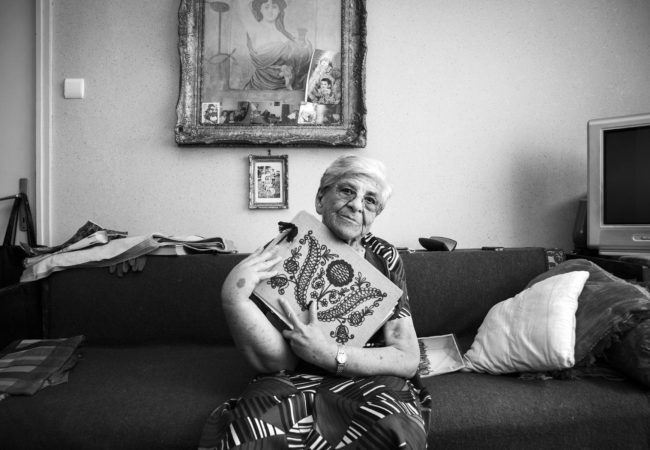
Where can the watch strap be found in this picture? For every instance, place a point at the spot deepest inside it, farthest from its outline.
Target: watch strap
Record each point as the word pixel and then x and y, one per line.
pixel 341 359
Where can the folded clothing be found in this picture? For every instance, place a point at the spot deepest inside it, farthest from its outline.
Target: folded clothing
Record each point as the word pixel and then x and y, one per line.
pixel 88 234
pixel 113 252
pixel 118 251
pixel 28 365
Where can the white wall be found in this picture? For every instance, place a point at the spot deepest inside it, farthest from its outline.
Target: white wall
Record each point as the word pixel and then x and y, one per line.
pixel 17 66
pixel 479 110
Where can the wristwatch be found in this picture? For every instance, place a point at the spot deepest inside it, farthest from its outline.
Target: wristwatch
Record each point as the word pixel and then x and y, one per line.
pixel 341 359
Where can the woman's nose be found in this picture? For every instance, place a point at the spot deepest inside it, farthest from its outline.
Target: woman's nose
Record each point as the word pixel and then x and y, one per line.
pixel 356 203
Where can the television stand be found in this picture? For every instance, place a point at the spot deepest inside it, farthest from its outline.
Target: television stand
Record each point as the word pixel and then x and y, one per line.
pixel 635 268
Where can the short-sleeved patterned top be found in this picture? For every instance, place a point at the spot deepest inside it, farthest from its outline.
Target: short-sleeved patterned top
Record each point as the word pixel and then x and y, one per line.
pixel 386 259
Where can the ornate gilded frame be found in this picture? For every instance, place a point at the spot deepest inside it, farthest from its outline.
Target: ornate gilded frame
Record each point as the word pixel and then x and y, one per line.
pixel 349 129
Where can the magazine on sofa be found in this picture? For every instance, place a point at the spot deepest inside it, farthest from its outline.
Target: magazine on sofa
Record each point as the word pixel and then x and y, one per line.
pixel 353 298
pixel 438 355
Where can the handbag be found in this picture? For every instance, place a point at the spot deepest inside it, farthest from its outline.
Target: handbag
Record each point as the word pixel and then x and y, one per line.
pixel 13 255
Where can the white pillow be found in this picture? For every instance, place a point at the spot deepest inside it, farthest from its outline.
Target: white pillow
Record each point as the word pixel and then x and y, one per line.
pixel 533 331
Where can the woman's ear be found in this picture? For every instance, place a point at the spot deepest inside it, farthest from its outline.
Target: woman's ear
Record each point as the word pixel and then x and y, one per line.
pixel 319 202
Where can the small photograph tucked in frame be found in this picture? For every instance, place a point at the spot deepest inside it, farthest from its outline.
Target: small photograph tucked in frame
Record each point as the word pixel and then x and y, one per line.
pixel 268 182
pixel 210 113
pixel 324 84
pixel 307 113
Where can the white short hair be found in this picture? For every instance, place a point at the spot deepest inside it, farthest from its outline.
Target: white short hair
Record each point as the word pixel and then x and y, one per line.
pixel 354 165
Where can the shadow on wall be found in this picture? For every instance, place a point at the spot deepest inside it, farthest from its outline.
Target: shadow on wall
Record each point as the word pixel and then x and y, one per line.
pixel 544 195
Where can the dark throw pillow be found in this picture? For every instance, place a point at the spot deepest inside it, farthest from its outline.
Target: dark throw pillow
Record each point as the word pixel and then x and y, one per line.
pixel 631 355
pixel 608 307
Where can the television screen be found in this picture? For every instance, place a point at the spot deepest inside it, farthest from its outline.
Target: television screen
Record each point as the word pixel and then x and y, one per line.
pixel 618 194
pixel 626 176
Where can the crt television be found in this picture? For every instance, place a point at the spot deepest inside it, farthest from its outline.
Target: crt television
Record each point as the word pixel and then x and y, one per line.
pixel 618 193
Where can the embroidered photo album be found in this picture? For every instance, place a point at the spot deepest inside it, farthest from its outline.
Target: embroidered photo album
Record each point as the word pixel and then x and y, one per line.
pixel 353 298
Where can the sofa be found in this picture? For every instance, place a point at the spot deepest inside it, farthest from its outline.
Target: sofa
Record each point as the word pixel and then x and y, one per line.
pixel 158 358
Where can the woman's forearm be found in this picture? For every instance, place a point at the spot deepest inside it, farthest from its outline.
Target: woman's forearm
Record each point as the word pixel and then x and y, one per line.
pixel 380 361
pixel 368 361
pixel 400 356
pixel 261 343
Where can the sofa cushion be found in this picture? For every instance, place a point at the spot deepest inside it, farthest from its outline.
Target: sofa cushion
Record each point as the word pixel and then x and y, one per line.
pixel 472 411
pixel 607 308
pixel 127 397
pixel 532 331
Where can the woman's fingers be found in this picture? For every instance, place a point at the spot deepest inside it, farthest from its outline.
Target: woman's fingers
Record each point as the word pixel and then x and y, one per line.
pixel 294 321
pixel 258 250
pixel 273 260
pixel 257 255
pixel 261 261
pixel 313 313
pixel 267 274
pixel 264 268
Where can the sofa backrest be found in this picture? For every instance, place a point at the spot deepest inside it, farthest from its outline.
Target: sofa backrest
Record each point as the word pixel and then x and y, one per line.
pixel 177 298
pixel 451 292
pixel 173 299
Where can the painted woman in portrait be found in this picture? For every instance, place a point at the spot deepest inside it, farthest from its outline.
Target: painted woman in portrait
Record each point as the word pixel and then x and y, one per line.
pixel 280 59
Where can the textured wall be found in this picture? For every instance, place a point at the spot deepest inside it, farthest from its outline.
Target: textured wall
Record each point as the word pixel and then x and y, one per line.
pixel 17 65
pixel 478 108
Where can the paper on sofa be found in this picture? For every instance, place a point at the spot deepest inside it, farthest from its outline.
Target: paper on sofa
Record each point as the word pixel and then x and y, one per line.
pixel 353 298
pixel 439 355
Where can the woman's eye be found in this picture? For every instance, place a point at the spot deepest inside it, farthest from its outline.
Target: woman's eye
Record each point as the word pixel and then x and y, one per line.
pixel 370 200
pixel 347 191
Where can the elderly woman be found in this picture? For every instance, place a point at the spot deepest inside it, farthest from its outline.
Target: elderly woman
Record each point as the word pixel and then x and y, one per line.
pixel 310 392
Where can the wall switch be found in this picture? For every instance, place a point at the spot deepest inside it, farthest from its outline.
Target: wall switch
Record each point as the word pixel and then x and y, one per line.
pixel 73 88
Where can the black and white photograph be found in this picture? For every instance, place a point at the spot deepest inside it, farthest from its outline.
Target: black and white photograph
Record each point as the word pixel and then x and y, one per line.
pixel 268 182
pixel 325 224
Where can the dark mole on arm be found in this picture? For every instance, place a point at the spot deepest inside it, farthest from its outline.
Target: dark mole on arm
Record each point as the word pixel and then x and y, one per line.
pixel 241 283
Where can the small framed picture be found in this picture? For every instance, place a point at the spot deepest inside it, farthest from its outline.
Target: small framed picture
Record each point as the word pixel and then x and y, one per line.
pixel 268 182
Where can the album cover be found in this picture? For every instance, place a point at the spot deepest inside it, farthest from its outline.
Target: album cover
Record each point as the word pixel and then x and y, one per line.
pixel 353 298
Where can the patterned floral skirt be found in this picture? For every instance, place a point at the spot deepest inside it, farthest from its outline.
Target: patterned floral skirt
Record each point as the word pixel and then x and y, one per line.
pixel 295 411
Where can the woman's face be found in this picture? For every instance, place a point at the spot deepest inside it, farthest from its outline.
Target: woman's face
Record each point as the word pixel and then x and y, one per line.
pixel 349 207
pixel 324 86
pixel 270 11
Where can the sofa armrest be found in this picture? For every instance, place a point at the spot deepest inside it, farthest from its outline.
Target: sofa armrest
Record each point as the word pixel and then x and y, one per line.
pixel 627 270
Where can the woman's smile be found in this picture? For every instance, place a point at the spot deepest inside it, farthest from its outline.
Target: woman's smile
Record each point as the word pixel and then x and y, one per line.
pixel 348 218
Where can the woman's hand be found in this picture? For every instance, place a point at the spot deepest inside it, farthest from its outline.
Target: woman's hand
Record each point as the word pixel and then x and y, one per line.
pixel 242 279
pixel 399 357
pixel 307 340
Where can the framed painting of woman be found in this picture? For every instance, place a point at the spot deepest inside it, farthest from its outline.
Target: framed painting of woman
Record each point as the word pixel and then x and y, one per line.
pixel 272 72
